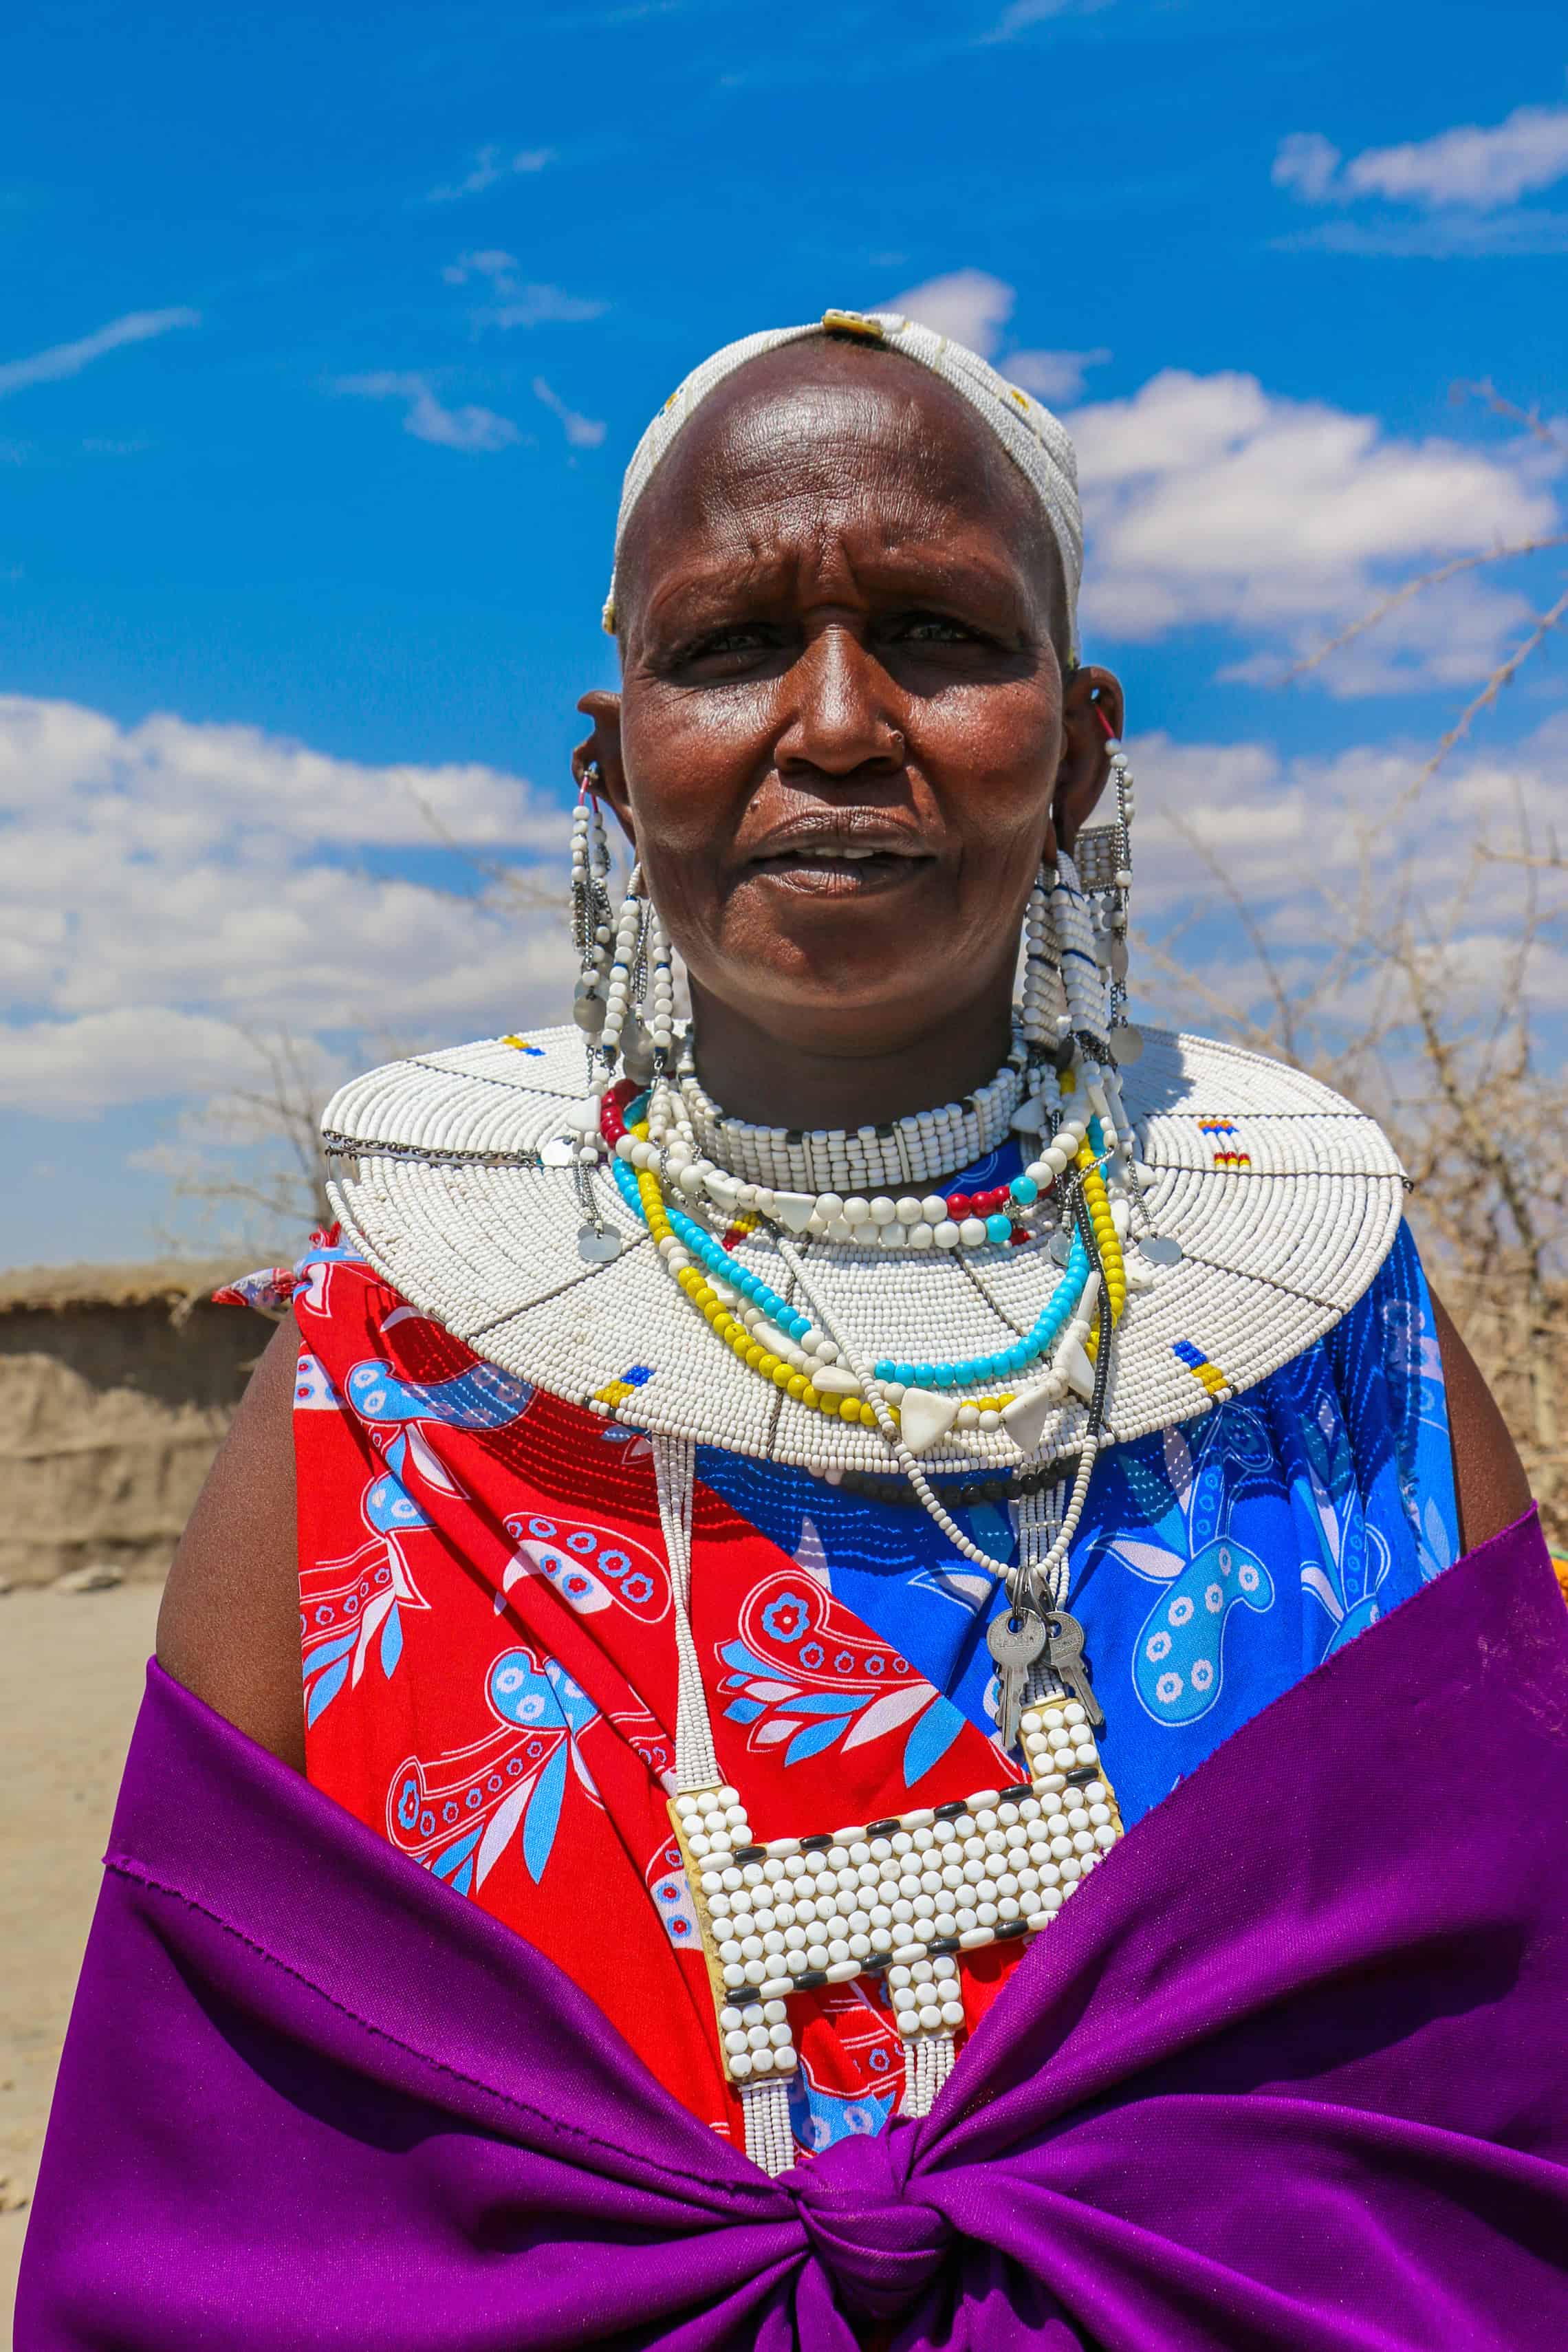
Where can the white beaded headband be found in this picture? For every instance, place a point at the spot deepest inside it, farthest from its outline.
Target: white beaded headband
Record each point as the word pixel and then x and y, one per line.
pixel 1036 441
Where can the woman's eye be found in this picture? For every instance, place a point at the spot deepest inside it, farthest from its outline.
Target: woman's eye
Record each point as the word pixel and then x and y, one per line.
pixel 738 638
pixel 932 629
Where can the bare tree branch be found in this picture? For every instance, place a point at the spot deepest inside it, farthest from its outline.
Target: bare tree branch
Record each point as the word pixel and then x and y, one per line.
pixel 1502 676
pixel 1412 588
pixel 1530 418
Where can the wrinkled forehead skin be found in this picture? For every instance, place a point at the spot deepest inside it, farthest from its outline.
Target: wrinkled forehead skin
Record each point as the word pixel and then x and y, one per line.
pixel 816 439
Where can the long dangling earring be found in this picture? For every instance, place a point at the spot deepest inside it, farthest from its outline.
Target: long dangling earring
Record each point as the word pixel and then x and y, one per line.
pixel 1126 1045
pixel 614 956
pixel 1078 916
pixel 1040 1013
pixel 627 982
pixel 591 932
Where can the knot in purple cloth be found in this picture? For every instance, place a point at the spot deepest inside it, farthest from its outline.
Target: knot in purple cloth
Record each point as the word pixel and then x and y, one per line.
pixel 879 2243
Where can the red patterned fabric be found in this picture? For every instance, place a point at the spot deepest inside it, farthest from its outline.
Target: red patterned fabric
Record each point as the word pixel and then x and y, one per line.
pixel 491 1681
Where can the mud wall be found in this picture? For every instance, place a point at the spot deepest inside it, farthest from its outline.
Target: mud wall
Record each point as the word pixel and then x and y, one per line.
pixel 110 1415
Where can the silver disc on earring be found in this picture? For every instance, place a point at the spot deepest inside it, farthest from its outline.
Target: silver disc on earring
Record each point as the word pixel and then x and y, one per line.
pixel 588 1006
pixel 597 1247
pixel 637 1051
pixel 1161 1249
pixel 1126 1045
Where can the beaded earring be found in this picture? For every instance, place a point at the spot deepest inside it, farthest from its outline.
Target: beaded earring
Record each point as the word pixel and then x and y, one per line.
pixel 1075 939
pixel 591 930
pixel 1126 1045
pixel 625 963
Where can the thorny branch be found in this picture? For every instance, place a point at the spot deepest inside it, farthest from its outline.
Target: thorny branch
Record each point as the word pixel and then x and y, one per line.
pixel 1420 1013
pixel 1504 675
pixel 1414 588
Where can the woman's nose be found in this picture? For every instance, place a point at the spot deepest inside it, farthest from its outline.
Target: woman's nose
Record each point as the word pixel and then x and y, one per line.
pixel 841 716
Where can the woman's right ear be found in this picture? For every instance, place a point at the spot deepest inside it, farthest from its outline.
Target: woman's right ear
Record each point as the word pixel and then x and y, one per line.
pixel 601 749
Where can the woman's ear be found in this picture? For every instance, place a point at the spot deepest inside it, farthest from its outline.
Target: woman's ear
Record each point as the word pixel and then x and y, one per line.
pixel 1091 715
pixel 602 748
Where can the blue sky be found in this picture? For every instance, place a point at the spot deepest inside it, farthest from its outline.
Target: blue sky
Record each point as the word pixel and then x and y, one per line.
pixel 327 336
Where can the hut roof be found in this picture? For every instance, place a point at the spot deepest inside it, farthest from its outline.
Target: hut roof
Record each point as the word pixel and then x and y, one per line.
pixel 173 1282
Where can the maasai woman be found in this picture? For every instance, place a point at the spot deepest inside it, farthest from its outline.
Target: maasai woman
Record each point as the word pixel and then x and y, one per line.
pixel 779 1499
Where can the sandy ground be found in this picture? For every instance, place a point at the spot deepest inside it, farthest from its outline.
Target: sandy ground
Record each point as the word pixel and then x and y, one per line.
pixel 71 1681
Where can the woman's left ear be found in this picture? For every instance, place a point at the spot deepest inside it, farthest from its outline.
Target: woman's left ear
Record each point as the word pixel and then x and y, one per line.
pixel 601 748
pixel 1092 711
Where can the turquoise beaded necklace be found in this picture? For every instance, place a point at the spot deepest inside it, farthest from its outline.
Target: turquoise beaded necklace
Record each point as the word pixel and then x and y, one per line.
pixel 969 1371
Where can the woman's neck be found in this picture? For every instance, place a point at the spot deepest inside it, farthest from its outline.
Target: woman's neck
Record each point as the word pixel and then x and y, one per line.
pixel 763 1075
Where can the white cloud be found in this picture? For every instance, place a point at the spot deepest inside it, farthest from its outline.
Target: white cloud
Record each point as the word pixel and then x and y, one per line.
pixel 973 308
pixel 970 304
pixel 110 1059
pixel 489 262
pixel 583 431
pixel 1308 163
pixel 1285 829
pixel 490 165
pixel 1052 375
pixel 468 427
pixel 159 884
pixel 1324 851
pixel 70 359
pixel 519 301
pixel 1482 170
pixel 1210 500
pixel 1022 14
pixel 1449 236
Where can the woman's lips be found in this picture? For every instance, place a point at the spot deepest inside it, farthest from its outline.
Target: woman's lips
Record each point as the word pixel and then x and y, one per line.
pixel 840 870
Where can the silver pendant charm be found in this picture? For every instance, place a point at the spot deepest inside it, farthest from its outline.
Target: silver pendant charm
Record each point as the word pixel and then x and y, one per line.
pixel 1161 1249
pixel 1126 1046
pixel 598 1246
pixel 560 1151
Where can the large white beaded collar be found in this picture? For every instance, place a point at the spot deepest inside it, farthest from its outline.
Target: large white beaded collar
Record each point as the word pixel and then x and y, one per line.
pixel 1283 1197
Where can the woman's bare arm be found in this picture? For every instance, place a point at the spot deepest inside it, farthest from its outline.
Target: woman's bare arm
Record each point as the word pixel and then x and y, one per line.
pixel 1487 1473
pixel 230 1625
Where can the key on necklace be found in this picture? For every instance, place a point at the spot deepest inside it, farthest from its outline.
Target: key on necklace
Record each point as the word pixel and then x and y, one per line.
pixel 1014 1640
pixel 1064 1656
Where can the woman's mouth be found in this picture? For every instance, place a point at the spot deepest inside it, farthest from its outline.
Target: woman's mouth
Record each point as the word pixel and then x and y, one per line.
pixel 839 866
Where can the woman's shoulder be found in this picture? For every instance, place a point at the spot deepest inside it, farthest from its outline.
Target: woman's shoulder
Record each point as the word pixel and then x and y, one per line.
pixel 230 1625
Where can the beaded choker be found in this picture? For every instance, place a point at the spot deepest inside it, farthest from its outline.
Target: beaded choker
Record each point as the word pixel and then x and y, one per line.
pixel 850 1161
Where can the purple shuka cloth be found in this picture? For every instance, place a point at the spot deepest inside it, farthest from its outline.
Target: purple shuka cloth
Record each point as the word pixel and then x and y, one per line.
pixel 1290 2071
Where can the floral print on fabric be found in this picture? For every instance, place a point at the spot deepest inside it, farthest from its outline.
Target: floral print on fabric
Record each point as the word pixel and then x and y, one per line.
pixel 489 1649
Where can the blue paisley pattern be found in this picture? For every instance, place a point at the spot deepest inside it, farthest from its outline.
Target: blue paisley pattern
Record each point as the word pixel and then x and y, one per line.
pixel 1216 1563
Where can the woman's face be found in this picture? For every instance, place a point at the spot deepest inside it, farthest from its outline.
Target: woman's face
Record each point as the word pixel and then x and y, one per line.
pixel 840 745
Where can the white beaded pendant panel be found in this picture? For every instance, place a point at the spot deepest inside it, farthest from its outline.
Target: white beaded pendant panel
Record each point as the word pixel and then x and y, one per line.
pixel 1285 1199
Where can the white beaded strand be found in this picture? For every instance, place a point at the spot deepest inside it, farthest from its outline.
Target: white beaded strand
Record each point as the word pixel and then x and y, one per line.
pixel 674 1471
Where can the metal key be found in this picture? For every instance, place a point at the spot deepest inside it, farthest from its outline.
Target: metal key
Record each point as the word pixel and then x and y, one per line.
pixel 1064 1656
pixel 1014 1640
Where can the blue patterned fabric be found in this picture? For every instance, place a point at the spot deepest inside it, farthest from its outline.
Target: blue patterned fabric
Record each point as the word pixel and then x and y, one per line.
pixel 1216 1562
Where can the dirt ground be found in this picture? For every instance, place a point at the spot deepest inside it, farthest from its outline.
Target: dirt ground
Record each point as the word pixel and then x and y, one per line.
pixel 71 1681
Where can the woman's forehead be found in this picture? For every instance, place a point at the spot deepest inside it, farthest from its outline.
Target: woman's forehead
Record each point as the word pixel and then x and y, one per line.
pixel 818 430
